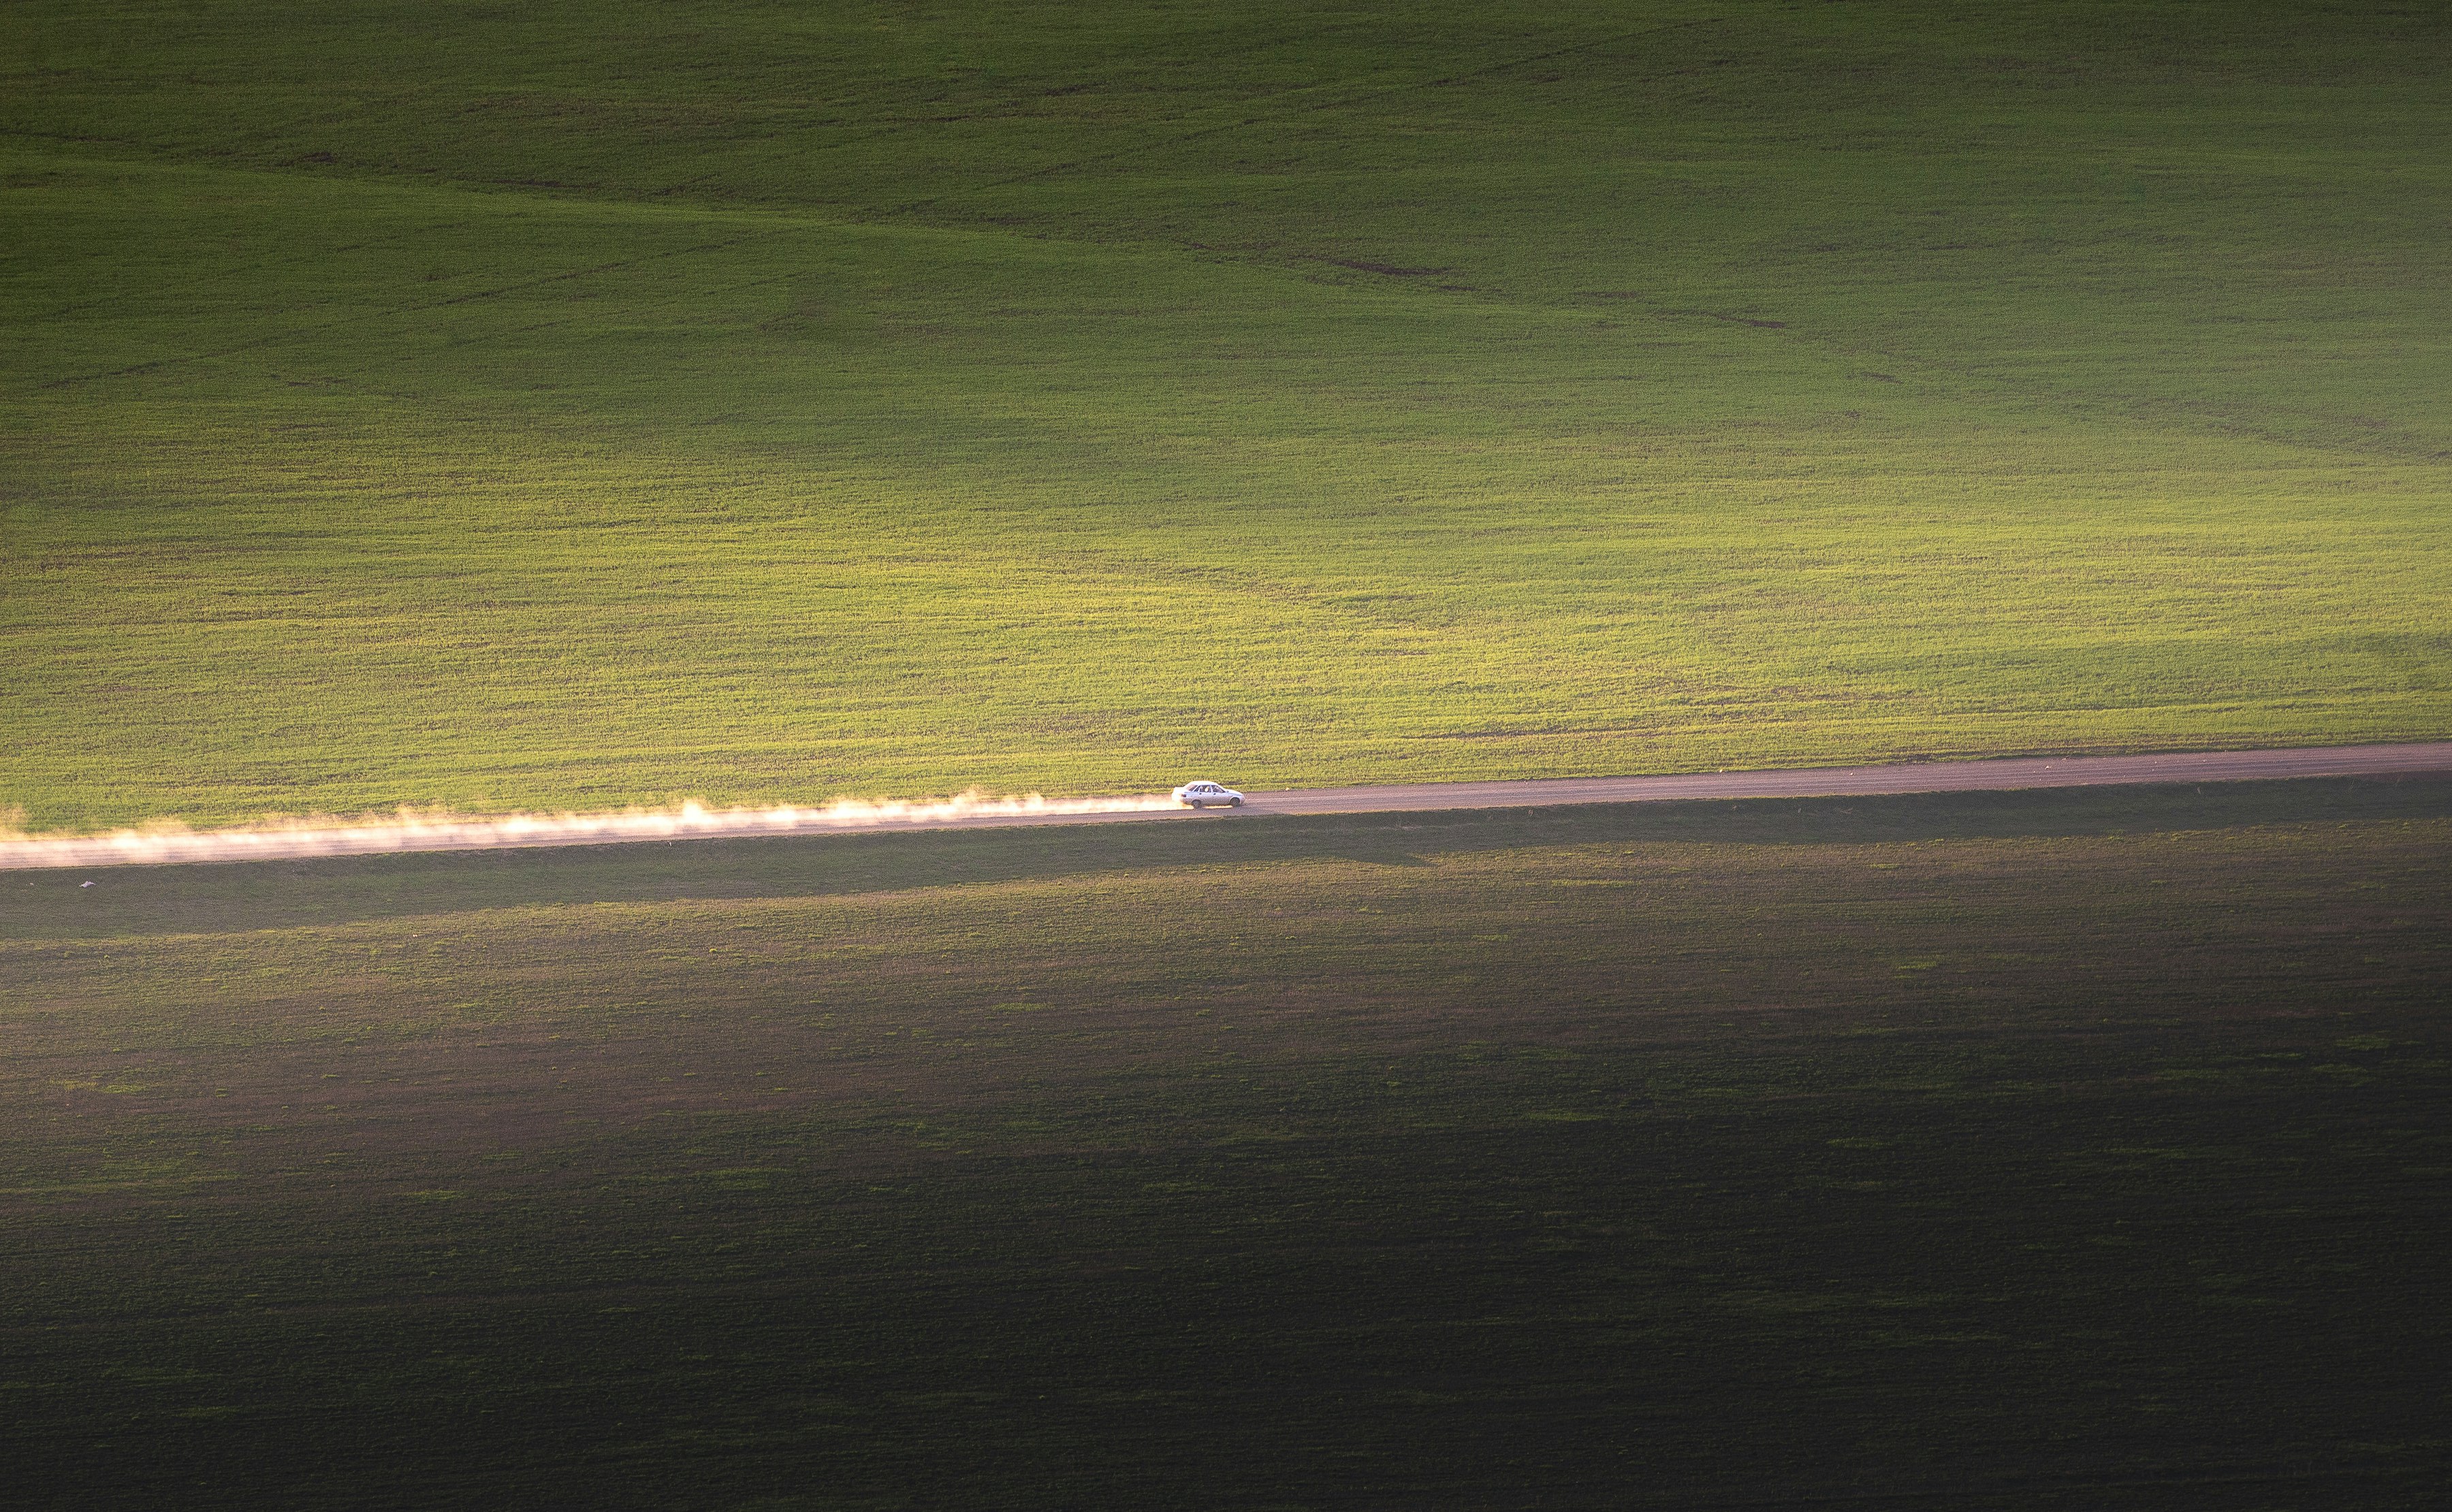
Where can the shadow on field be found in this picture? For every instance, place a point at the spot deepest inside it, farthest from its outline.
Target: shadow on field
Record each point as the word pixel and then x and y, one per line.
pixel 182 899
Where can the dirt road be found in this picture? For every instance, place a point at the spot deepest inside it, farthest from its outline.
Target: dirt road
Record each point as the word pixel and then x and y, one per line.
pixel 1913 777
pixel 154 847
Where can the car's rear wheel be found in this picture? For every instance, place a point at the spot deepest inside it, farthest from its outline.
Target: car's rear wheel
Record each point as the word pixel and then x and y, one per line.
pixel 1197 804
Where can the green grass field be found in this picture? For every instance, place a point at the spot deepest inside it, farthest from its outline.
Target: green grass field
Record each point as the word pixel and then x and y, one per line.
pixel 572 405
pixel 568 405
pixel 2059 1149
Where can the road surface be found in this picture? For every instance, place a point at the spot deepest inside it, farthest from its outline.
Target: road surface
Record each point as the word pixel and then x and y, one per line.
pixel 162 847
pixel 1998 775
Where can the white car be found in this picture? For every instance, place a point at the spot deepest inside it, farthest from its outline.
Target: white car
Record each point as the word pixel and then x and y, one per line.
pixel 1202 795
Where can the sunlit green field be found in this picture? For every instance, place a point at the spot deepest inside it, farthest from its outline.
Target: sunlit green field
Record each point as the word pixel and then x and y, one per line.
pixel 562 406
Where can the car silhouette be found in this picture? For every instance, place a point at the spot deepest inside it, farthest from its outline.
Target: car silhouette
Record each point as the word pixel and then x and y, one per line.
pixel 1202 795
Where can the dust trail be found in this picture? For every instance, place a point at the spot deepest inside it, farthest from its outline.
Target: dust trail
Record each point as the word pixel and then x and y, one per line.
pixel 165 842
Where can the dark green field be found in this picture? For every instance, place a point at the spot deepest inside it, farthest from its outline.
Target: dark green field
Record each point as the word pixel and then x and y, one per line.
pixel 2069 1150
pixel 572 404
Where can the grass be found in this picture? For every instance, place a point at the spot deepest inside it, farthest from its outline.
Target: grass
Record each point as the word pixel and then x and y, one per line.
pixel 2032 1149
pixel 573 406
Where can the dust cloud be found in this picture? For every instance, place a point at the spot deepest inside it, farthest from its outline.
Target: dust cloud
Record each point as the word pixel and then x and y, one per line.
pixel 165 842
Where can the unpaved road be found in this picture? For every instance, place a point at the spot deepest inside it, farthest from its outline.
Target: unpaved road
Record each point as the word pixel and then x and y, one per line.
pixel 1911 777
pixel 156 848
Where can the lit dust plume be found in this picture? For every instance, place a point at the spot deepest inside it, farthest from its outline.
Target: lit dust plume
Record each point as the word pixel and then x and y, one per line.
pixel 167 842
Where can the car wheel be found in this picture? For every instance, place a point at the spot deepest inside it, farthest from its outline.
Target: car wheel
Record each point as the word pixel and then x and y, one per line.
pixel 1236 804
pixel 1197 804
